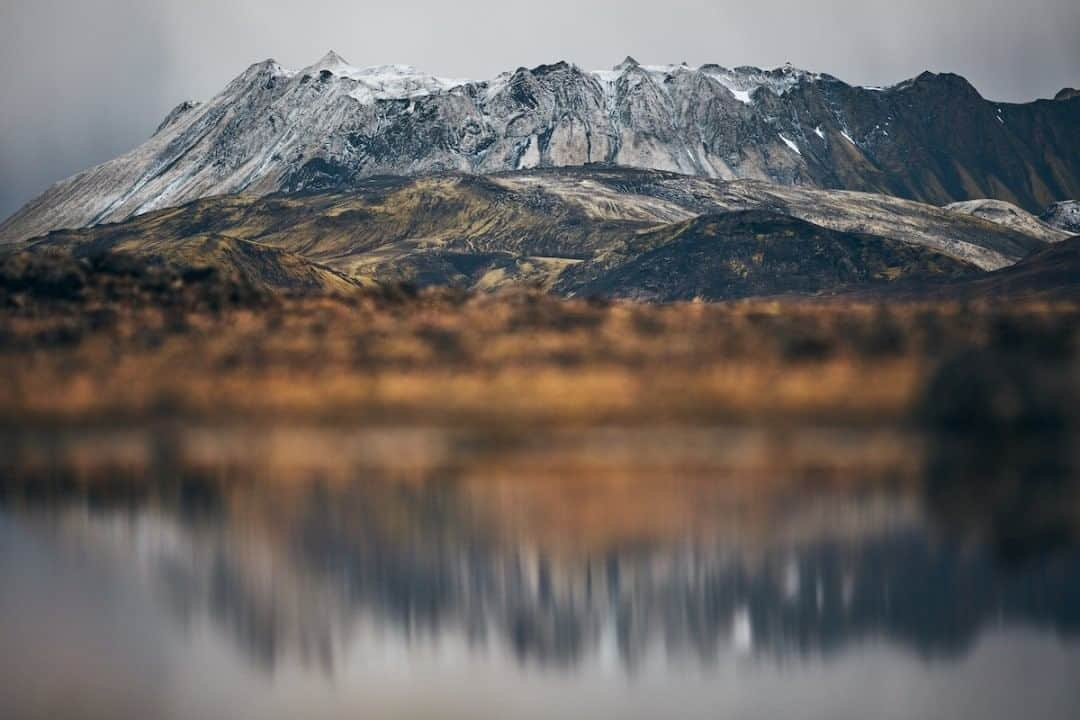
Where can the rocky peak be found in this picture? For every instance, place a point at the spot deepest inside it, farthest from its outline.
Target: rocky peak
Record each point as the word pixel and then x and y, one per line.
pixel 330 61
pixel 553 68
pixel 272 125
pixel 177 112
pixel 946 82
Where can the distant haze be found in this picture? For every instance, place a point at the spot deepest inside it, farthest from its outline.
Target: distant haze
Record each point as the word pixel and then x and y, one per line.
pixel 85 80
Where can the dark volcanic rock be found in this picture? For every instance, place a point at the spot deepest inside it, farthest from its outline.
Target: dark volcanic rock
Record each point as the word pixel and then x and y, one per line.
pixel 753 253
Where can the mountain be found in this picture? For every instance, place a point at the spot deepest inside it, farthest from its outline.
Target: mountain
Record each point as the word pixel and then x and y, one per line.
pixel 330 125
pixel 584 230
pixel 64 267
pixel 1064 216
pixel 1050 273
pixel 1053 271
pixel 752 253
pixel 1009 215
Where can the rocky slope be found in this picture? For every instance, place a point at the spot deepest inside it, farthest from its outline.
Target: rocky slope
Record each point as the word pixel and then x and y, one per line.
pixel 1064 216
pixel 752 253
pixel 576 231
pixel 1009 215
pixel 65 267
pixel 1051 273
pixel 932 138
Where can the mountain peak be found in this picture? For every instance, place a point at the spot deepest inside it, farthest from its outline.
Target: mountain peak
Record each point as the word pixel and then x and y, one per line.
pixel 258 73
pixel 330 62
pixel 331 59
pixel 267 64
pixel 177 112
pixel 1067 94
pixel 550 68
pixel 278 129
pixel 955 85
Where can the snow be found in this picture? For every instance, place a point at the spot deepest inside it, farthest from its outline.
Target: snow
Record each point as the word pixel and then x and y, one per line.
pixel 662 69
pixel 790 144
pixel 742 96
pixel 531 157
pixel 497 85
pixel 848 138
pixel 384 82
pixel 607 80
pixel 819 133
pixel 398 85
pixel 742 82
pixel 743 88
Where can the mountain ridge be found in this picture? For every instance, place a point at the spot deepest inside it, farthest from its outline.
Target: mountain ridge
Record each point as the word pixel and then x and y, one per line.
pixel 931 138
pixel 581 231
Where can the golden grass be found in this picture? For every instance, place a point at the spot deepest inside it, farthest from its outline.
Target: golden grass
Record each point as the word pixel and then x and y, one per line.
pixel 444 359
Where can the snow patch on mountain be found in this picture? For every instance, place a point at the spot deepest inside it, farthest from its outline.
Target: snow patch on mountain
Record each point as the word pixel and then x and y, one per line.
pixel 742 82
pixel 383 82
pixel 791 144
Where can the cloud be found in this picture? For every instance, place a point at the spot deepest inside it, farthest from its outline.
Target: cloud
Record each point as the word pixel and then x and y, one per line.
pixel 80 82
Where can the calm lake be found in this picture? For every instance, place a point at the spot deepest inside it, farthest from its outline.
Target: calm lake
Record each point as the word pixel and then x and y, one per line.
pixel 622 573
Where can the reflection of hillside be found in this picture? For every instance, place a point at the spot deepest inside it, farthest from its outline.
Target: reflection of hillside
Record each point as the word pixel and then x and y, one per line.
pixel 698 600
pixel 565 560
pixel 1018 493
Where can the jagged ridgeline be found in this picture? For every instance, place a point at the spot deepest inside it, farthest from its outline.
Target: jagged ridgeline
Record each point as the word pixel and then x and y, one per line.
pixel 330 125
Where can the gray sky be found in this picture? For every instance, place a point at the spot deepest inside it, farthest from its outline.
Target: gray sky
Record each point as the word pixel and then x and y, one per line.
pixel 82 81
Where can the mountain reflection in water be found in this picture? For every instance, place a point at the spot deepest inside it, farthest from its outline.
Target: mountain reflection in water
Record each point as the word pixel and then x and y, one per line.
pixel 612 548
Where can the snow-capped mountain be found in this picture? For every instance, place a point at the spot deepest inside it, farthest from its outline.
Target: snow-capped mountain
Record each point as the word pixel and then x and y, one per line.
pixel 932 138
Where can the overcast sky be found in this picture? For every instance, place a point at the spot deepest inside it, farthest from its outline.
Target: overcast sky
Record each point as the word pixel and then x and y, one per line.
pixel 82 81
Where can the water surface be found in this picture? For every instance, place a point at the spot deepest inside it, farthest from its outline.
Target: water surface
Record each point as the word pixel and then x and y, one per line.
pixel 331 573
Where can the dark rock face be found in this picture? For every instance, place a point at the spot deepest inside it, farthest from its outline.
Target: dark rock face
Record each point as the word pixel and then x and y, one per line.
pixel 1050 273
pixel 103 277
pixel 932 138
pixel 1064 216
pixel 73 270
pixel 754 253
